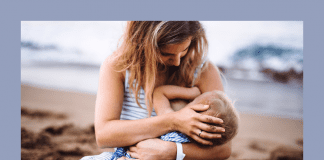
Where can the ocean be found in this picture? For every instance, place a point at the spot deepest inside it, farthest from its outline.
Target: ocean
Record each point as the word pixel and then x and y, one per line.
pixel 251 96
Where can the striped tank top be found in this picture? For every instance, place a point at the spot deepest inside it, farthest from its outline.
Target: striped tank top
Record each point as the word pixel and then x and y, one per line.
pixel 132 111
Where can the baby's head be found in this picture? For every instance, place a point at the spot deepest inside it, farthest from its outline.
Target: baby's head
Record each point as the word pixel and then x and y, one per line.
pixel 221 107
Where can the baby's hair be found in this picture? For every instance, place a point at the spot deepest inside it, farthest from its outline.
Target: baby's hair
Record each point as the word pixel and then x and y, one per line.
pixel 220 106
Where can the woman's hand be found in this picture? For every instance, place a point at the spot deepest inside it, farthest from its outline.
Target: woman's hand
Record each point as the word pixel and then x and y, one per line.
pixel 153 149
pixel 194 125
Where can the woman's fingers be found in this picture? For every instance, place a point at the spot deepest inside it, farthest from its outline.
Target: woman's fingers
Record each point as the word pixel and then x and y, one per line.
pixel 207 135
pixel 200 140
pixel 205 118
pixel 210 128
pixel 124 158
pixel 210 119
pixel 133 154
pixel 199 107
pixel 132 149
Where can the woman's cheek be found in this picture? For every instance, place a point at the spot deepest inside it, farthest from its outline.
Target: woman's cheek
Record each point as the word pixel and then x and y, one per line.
pixel 165 60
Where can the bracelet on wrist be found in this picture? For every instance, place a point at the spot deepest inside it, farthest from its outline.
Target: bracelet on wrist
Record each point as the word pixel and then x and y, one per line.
pixel 180 154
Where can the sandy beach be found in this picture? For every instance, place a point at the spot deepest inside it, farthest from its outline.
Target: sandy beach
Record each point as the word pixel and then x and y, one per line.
pixel 58 124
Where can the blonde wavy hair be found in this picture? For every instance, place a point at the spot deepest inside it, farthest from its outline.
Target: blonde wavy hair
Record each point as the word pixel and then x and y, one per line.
pixel 139 53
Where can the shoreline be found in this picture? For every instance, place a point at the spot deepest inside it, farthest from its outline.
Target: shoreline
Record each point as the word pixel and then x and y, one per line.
pixel 259 135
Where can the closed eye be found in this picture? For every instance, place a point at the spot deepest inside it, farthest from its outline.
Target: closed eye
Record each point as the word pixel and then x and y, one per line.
pixel 170 54
pixel 166 54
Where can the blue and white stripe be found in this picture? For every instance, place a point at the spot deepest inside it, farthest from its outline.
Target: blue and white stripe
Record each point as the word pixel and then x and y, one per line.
pixel 131 111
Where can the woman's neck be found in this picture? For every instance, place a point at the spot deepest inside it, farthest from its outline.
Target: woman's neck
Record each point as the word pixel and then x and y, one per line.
pixel 161 78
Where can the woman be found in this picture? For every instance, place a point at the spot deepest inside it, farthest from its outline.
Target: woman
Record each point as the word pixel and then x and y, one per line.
pixel 155 53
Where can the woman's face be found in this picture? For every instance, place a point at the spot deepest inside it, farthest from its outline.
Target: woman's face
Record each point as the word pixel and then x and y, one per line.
pixel 171 54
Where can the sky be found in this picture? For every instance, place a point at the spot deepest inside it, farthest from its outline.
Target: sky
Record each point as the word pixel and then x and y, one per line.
pixel 95 40
pixel 226 37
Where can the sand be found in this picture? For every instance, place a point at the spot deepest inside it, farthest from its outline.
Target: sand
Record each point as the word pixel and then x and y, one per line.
pixel 58 124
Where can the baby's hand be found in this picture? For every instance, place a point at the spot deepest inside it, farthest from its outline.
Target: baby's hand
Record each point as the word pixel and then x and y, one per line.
pixel 195 92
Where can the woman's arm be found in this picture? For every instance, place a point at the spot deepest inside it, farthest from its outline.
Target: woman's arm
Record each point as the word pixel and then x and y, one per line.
pixel 112 132
pixel 158 149
pixel 194 151
pixel 163 94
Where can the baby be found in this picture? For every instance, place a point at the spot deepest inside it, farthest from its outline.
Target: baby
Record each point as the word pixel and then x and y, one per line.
pixel 171 98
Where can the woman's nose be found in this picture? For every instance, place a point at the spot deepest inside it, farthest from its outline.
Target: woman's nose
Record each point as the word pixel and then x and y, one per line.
pixel 176 60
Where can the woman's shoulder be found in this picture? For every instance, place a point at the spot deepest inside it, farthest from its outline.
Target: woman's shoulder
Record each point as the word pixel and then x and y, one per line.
pixel 210 78
pixel 109 66
pixel 208 67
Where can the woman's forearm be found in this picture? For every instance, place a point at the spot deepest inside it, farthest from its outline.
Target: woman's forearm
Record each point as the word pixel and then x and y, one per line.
pixel 120 133
pixel 195 151
pixel 159 149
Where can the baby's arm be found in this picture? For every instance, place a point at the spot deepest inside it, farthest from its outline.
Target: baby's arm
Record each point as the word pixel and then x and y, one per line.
pixel 163 94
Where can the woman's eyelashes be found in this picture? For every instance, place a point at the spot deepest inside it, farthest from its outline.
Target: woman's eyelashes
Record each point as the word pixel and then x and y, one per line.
pixel 169 54
pixel 165 54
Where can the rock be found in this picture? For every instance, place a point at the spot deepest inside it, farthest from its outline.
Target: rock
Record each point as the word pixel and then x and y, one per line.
pixel 286 153
pixel 258 146
pixel 27 139
pixel 70 150
pixel 57 130
pixel 44 140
